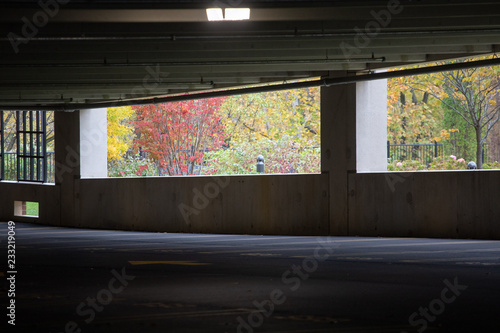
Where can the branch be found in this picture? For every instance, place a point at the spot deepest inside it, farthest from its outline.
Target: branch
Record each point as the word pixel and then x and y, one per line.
pixel 447 104
pixel 254 130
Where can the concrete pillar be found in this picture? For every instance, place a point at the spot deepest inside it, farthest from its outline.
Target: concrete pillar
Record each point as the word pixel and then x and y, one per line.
pixel 353 138
pixel 371 126
pixel 338 149
pixel 94 143
pixel 67 163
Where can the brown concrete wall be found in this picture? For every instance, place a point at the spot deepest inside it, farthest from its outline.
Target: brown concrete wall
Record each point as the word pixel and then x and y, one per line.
pixel 460 204
pixel 48 197
pixel 448 204
pixel 282 204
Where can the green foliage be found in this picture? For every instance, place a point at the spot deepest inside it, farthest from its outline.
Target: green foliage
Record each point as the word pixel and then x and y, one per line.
pixel 441 163
pixel 461 105
pixel 407 165
pixel 448 163
pixel 10 118
pixel 10 171
pixel 463 141
pixel 132 166
pixel 225 135
pixel 493 165
pixel 473 93
pixel 32 208
pixel 282 126
pixel 280 156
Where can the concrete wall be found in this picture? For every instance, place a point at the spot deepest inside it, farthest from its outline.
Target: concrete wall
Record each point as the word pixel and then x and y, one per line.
pixel 48 197
pixel 285 205
pixel 454 204
pixel 450 204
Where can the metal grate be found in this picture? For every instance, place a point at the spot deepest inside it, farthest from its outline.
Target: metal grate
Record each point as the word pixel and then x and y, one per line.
pixel 31 129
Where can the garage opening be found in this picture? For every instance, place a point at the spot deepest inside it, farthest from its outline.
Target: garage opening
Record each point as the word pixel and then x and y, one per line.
pixel 275 132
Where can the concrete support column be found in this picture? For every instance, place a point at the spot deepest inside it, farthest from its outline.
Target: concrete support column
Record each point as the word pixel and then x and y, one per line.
pixel 353 139
pixel 67 162
pixel 338 149
pixel 94 143
pixel 371 126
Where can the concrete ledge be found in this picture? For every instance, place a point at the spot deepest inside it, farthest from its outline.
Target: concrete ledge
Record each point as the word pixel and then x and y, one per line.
pixel 274 204
pixel 449 204
pixel 440 204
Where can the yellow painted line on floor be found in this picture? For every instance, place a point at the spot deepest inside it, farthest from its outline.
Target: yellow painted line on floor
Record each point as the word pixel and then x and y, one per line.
pixel 171 262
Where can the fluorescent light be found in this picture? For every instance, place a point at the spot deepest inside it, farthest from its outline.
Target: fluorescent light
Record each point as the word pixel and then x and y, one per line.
pixel 237 14
pixel 215 14
pixel 229 14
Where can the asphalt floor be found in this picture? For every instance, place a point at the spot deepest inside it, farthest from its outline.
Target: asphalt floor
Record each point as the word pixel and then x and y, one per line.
pixel 79 280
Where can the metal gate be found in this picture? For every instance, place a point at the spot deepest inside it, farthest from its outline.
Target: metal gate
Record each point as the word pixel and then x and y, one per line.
pixel 31 127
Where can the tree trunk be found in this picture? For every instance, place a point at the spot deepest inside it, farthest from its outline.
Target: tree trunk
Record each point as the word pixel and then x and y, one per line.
pixel 479 149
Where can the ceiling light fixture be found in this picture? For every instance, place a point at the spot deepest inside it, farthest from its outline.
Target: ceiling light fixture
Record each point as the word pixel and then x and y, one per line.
pixel 237 14
pixel 215 14
pixel 229 14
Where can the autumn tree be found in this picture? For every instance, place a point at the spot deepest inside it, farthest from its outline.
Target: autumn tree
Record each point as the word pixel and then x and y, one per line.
pixel 271 115
pixel 178 134
pixel 412 116
pixel 283 126
pixel 10 135
pixel 120 131
pixel 472 94
pixel 461 140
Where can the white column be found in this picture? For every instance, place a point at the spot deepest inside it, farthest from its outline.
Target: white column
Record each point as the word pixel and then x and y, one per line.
pixel 94 143
pixel 371 126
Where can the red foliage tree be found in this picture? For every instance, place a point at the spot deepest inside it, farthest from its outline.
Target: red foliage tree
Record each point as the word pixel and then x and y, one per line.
pixel 177 134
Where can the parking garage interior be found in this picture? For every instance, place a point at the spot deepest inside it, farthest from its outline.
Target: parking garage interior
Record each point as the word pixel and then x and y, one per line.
pixel 79 57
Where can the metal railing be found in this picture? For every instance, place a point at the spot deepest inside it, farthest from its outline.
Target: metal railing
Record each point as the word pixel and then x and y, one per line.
pixel 10 167
pixel 424 153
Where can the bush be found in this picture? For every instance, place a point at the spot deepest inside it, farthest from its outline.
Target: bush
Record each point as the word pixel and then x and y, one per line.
pixel 280 156
pixel 440 163
pixel 132 166
pixel 494 165
pixel 407 165
pixel 448 163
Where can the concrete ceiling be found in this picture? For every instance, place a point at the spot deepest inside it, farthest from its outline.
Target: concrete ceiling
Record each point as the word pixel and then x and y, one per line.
pixel 95 51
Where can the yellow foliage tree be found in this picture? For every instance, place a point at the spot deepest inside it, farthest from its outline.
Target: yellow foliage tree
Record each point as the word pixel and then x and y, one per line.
pixel 412 115
pixel 120 131
pixel 472 94
pixel 272 115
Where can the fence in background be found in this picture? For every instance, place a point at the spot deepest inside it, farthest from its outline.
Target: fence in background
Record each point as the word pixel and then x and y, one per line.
pixel 10 167
pixel 424 153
